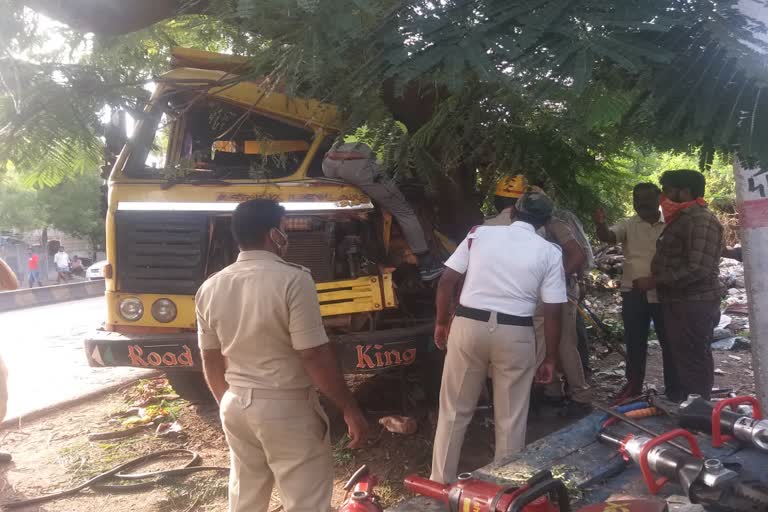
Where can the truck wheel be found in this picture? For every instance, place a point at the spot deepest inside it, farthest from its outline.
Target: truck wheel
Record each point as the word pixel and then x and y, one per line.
pixel 190 386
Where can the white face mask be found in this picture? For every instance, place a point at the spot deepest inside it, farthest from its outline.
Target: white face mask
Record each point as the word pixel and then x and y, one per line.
pixel 280 240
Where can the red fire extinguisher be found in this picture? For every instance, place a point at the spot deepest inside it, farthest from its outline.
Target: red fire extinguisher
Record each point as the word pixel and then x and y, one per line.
pixel 363 498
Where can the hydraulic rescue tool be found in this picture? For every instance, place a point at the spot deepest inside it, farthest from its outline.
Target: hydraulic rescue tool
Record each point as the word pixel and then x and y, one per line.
pixel 711 483
pixel 472 494
pixel 723 423
pixel 363 498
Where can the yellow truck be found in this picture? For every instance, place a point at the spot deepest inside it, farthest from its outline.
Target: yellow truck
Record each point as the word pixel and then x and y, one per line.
pixel 208 140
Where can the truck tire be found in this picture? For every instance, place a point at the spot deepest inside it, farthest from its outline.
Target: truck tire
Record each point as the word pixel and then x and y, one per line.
pixel 190 386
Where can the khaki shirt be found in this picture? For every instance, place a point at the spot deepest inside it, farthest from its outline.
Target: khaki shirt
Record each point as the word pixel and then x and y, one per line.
pixel 504 218
pixel 259 311
pixel 638 241
pixel 558 232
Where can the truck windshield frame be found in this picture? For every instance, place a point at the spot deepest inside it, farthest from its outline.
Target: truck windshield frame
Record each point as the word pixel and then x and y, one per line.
pixel 194 121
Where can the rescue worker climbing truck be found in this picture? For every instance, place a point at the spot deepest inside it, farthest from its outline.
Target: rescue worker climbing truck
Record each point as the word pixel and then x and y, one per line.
pixel 168 225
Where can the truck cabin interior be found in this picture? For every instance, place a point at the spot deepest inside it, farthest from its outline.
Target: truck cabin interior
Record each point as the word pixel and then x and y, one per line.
pixel 194 137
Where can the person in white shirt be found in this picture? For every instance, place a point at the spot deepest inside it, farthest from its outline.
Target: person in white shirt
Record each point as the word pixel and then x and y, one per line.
pixel 61 260
pixel 637 236
pixel 493 328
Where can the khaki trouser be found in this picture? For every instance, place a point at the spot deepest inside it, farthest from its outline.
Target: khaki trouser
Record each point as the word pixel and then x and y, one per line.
pixel 277 438
pixel 474 348
pixel 570 361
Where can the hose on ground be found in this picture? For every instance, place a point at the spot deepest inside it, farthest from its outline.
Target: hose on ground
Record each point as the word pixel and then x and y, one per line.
pixel 98 483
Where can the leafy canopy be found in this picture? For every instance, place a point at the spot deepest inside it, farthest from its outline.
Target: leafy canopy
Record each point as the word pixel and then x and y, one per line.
pixel 554 88
pixel 72 206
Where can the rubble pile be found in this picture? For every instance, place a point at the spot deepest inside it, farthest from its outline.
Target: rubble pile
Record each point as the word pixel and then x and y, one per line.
pixel 733 331
pixel 732 277
pixel 609 263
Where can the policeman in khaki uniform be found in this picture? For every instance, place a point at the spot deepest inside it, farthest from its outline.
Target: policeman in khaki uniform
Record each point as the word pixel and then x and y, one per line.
pixel 264 347
pixel 564 230
pixel 492 330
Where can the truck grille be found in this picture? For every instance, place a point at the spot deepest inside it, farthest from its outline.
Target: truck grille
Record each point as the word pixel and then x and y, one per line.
pixel 161 252
pixel 314 250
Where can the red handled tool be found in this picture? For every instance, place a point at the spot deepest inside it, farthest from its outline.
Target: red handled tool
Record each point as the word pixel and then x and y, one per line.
pixel 470 493
pixel 534 496
pixel 724 421
pixel 363 498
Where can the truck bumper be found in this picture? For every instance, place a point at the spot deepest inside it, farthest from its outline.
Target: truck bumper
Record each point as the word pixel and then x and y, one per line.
pixel 382 350
pixel 366 352
pixel 178 351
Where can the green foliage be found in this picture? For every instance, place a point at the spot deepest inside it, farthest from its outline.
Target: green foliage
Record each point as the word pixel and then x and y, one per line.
pixel 556 89
pixel 18 207
pixel 72 206
pixel 648 165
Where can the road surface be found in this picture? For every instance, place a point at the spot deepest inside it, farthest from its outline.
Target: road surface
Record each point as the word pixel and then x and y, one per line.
pixel 43 350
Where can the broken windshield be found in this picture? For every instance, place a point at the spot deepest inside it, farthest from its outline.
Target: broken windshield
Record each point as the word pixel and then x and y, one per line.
pixel 211 139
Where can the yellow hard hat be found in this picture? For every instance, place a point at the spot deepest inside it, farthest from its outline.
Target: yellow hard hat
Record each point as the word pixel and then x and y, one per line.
pixel 511 186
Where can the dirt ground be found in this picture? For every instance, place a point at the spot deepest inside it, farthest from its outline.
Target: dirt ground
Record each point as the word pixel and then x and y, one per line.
pixel 54 452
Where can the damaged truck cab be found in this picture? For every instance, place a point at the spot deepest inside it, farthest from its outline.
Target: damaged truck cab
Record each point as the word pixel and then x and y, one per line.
pixel 208 140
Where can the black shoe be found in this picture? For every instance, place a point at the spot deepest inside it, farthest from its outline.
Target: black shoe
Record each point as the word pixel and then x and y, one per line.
pixel 430 268
pixel 431 273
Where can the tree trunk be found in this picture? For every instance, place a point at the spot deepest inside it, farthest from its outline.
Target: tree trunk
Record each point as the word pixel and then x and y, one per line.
pixel 44 263
pixel 457 204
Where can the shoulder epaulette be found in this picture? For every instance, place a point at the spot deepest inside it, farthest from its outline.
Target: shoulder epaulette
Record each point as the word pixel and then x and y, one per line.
pixel 295 265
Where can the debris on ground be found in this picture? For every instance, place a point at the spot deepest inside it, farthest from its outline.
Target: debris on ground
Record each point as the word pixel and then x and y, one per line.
pixel 735 304
pixel 159 410
pixel 732 343
pixel 399 424
pixel 603 298
pixel 169 429
pixel 610 261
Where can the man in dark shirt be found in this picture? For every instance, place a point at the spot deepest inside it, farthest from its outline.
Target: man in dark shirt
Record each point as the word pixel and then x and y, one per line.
pixel 686 275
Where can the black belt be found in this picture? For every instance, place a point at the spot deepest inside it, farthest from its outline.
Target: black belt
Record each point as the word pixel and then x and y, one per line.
pixel 501 318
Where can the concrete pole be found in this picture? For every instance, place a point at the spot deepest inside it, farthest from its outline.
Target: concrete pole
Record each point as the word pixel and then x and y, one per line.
pixel 752 205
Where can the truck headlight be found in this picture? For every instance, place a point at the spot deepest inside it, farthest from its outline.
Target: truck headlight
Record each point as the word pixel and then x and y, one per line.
pixel 131 309
pixel 164 310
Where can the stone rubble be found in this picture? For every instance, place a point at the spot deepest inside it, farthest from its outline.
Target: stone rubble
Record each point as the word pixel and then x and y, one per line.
pixel 733 331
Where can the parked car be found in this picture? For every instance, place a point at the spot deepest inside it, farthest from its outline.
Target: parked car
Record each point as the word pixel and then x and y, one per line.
pixel 96 271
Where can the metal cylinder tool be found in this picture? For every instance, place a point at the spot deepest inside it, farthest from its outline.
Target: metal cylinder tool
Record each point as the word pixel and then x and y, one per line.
pixel 657 459
pixel 724 421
